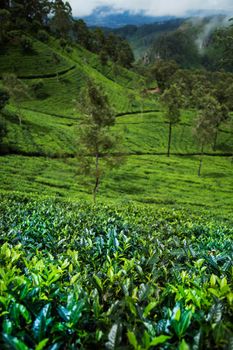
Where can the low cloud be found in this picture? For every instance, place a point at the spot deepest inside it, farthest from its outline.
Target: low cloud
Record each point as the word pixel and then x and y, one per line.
pixel 152 7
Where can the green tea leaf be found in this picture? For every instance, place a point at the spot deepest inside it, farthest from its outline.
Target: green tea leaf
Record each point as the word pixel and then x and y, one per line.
pixel 132 339
pixel 148 308
pixel 64 313
pixel 42 344
pixel 40 324
pixel 159 340
pixel 98 282
pixel 112 337
pixel 184 345
pixel 14 343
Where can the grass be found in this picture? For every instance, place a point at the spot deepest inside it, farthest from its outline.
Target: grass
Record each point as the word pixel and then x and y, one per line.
pixel 55 135
pixel 154 180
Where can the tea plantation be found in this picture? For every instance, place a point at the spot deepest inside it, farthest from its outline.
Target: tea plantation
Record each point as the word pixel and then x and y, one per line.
pixel 149 266
pixel 76 276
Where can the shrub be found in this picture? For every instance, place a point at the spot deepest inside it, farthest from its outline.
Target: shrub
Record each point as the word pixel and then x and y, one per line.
pixel 4 97
pixel 26 44
pixel 43 36
pixel 63 43
pixel 3 129
pixel 38 90
pixel 69 49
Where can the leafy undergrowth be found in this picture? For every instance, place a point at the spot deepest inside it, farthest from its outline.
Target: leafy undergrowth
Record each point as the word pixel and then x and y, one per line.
pixel 74 276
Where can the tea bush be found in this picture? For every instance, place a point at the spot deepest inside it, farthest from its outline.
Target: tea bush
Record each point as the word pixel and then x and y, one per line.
pixel 74 276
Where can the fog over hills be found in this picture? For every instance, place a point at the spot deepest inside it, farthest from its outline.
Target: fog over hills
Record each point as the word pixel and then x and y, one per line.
pixel 108 17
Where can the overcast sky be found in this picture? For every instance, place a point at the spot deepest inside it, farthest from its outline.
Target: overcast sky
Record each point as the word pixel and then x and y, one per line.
pixel 151 7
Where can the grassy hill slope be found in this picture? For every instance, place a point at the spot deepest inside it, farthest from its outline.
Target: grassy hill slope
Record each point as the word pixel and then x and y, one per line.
pixel 40 154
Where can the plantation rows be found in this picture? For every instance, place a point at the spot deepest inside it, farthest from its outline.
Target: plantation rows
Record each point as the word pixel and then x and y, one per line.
pixel 83 277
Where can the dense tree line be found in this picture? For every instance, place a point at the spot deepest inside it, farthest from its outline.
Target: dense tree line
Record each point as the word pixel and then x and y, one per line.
pixel 190 48
pixel 194 83
pixel 107 45
pixel 208 93
pixel 39 17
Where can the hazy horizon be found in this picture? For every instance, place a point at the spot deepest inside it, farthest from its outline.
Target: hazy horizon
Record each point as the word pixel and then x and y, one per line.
pixel 151 7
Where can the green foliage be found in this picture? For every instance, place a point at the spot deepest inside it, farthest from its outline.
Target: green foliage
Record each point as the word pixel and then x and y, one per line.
pixel 172 101
pixel 3 129
pixel 4 98
pixel 26 44
pixel 43 36
pixel 38 89
pixel 61 22
pixel 163 72
pixel 104 276
pixel 5 24
pixel 209 117
pixel 95 138
pixel 179 46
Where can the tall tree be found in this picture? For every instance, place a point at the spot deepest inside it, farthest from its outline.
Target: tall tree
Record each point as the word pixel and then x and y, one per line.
pixel 205 126
pixel 4 24
pixel 97 142
pixel 17 92
pixel 61 22
pixel 221 116
pixel 25 12
pixel 172 101
pixel 4 98
pixel 163 72
pixel 82 34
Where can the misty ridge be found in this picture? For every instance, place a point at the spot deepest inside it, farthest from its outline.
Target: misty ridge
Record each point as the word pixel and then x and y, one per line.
pixel 214 23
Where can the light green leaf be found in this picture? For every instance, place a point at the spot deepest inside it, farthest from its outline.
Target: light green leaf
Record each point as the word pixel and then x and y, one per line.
pixel 98 282
pixel 159 340
pixel 132 339
pixel 176 313
pixel 184 345
pixel 223 283
pixel 148 308
pixel 42 344
pixel 213 280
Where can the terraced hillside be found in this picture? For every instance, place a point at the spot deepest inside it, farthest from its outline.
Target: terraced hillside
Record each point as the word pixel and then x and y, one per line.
pixel 148 265
pixel 40 153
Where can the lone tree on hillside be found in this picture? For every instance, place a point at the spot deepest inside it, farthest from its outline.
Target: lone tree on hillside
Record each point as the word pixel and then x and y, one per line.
pixel 220 117
pixel 172 101
pixel 205 127
pixel 17 92
pixel 97 143
pixel 4 97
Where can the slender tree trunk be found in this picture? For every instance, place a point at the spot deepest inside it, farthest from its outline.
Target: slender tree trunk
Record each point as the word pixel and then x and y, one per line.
pixel 96 187
pixel 201 161
pixel 169 139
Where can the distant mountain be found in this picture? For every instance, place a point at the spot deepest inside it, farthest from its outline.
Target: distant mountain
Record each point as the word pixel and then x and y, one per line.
pixel 141 38
pixel 106 16
pixel 207 13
